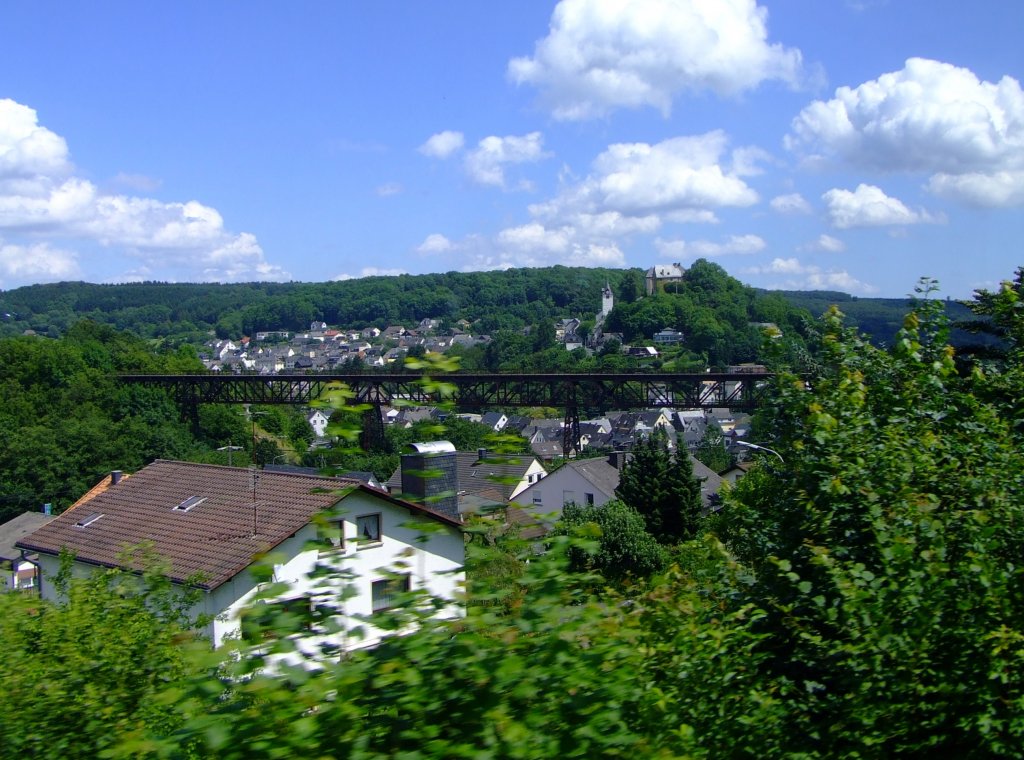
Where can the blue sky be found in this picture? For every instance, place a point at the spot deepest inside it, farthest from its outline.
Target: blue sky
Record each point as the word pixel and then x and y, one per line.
pixel 826 144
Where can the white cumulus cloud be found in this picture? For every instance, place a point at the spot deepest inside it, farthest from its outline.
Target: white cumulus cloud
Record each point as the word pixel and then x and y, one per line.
pixel 41 197
pixel 825 243
pixel 434 243
pixel 996 189
pixel 601 55
pixel 680 179
pixel 791 203
pixel 486 163
pixel 27 149
pixel 541 248
pixel 734 244
pixel 532 245
pixel 534 238
pixel 792 274
pixel 929 117
pixel 38 262
pixel 869 206
pixel 443 144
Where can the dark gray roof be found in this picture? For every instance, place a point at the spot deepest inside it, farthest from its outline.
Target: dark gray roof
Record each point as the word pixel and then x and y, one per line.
pixel 710 484
pixel 495 473
pixel 599 472
pixel 547 450
pixel 215 537
pixel 491 418
pixel 16 528
pixel 518 423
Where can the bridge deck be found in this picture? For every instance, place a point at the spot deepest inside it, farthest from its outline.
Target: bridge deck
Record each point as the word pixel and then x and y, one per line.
pixel 475 390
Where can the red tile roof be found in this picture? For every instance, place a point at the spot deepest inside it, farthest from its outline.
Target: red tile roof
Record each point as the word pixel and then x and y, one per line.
pixel 214 538
pixel 95 491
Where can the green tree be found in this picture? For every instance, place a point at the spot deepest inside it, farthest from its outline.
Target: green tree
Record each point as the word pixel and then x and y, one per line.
pixel 624 547
pixel 84 675
pixel 543 335
pixel 685 505
pixel 632 286
pixel 711 450
pixel 662 488
pixel 266 452
pixel 1000 314
pixel 881 561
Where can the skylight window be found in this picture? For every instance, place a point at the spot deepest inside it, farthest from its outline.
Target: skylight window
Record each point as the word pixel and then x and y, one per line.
pixel 191 501
pixel 88 520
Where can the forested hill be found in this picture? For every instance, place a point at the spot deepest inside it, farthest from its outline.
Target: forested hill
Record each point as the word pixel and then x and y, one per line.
pixel 505 299
pixel 493 300
pixel 878 317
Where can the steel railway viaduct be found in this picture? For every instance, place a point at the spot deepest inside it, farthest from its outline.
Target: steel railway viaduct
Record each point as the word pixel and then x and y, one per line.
pixel 470 391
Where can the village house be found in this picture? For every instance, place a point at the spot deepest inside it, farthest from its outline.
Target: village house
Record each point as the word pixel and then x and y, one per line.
pixel 318 420
pixel 208 524
pixel 18 572
pixel 593 482
pixel 668 336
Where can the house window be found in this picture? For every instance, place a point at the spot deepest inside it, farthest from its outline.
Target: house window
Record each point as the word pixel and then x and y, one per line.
pixel 386 592
pixel 88 520
pixel 368 528
pixel 568 497
pixel 538 497
pixel 589 498
pixel 25 578
pixel 191 501
pixel 332 536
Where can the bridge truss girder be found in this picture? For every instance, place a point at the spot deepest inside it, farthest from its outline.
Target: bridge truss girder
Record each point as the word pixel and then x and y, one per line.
pixel 477 391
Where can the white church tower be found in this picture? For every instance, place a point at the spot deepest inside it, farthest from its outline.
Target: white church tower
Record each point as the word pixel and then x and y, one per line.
pixel 607 300
pixel 607 303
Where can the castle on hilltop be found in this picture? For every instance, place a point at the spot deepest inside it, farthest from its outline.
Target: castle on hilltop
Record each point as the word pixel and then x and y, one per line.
pixel 662 273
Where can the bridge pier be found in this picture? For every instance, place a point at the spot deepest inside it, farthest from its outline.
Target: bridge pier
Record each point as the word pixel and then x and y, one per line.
pixel 190 413
pixel 372 436
pixel 571 431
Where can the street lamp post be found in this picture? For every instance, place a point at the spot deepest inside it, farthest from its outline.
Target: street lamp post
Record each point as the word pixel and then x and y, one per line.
pixel 229 448
pixel 761 448
pixel 252 417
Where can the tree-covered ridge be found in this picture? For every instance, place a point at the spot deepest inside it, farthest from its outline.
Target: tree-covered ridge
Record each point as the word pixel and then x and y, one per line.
pixel 65 421
pixel 879 318
pixel 511 299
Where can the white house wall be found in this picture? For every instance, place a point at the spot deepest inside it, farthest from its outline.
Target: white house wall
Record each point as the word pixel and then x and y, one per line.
pixel 432 553
pixel 548 496
pixel 533 474
pixel 434 565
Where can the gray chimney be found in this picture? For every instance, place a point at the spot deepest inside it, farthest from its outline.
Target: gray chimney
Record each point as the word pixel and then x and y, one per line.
pixel 115 477
pixel 481 455
pixel 617 459
pixel 430 477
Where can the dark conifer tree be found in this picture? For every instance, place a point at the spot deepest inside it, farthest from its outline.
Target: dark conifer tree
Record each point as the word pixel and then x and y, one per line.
pixel 662 489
